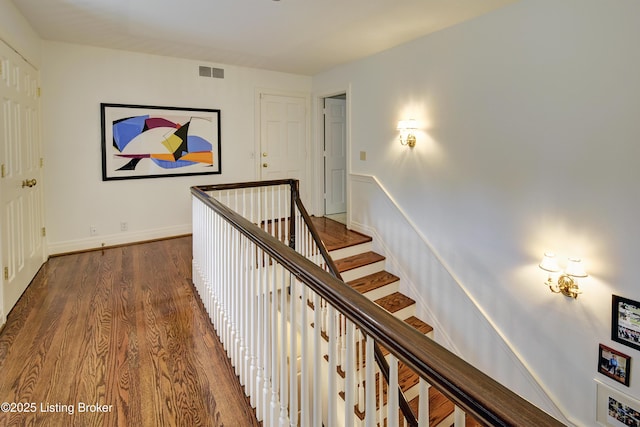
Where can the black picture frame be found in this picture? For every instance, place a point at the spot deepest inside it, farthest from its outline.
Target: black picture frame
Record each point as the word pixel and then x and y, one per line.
pixel 148 141
pixel 614 364
pixel 625 321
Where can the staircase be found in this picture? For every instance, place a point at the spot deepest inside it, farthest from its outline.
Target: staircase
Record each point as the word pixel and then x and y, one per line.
pixel 364 270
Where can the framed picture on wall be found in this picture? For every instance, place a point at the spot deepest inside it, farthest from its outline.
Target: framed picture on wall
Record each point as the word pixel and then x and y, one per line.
pixel 616 409
pixel 614 364
pixel 625 321
pixel 143 141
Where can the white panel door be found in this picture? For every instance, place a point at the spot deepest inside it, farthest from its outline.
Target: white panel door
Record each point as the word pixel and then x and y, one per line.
pixel 21 196
pixel 283 135
pixel 335 156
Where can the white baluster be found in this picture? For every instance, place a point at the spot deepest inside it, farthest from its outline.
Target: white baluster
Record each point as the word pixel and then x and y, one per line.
pixel 244 285
pixel 305 417
pixel 370 390
pixel 274 343
pixel 259 336
pixel 458 417
pixel 380 403
pixel 293 350
pixel 266 341
pixel 423 403
pixel 332 390
pixel 233 297
pixel 317 361
pixel 284 398
pixel 349 371
pixel 392 392
pixel 253 324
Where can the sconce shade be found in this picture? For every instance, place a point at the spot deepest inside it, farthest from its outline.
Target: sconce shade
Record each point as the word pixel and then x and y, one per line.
pixel 406 128
pixel 549 262
pixel 575 268
pixel 410 124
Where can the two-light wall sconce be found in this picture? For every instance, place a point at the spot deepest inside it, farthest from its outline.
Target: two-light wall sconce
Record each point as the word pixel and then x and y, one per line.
pixel 407 130
pixel 567 283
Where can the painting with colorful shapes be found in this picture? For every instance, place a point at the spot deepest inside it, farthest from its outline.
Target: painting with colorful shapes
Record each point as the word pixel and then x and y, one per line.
pixel 142 141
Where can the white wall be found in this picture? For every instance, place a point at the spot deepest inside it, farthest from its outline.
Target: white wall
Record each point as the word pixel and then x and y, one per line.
pixel 18 34
pixel 528 143
pixel 75 80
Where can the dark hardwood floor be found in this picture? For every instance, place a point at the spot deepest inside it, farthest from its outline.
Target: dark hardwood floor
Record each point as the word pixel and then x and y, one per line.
pixel 122 330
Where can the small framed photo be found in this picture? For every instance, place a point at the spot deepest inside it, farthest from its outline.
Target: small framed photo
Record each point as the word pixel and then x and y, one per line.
pixel 615 409
pixel 625 321
pixel 614 364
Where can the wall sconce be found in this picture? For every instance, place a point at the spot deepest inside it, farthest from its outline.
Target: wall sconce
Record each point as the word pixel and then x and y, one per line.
pixel 406 128
pixel 567 283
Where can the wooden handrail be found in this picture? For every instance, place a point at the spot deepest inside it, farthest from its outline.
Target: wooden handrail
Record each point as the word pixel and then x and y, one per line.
pixel 475 392
pixel 333 269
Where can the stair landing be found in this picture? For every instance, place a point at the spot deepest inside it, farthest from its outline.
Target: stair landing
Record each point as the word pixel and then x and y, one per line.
pixel 335 235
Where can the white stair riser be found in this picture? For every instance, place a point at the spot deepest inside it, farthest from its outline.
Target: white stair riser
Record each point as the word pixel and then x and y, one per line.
pixel 351 250
pixel 365 270
pixel 406 312
pixel 383 291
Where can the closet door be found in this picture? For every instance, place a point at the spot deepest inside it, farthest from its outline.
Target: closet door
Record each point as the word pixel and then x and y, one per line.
pixel 21 196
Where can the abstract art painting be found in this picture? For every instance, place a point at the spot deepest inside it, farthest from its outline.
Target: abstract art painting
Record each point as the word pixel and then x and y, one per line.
pixel 141 141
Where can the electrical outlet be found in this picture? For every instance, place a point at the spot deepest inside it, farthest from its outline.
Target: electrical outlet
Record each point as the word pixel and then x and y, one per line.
pixel 124 226
pixel 93 230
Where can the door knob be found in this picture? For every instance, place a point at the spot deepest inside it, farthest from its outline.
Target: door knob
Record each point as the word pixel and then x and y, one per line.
pixel 264 165
pixel 29 183
pixel 264 154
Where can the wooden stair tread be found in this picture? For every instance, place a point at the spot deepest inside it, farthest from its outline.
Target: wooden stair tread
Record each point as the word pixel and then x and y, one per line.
pixel 336 235
pixel 373 281
pixel 439 407
pixel 360 260
pixel 423 327
pixel 395 302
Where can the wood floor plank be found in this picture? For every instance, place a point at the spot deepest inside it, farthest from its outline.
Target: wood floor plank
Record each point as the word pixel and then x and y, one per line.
pixel 120 328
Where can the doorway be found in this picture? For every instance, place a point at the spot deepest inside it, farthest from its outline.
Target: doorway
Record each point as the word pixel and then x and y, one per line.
pixel 335 157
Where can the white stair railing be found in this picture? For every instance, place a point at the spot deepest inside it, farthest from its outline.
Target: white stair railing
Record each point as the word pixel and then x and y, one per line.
pixel 301 341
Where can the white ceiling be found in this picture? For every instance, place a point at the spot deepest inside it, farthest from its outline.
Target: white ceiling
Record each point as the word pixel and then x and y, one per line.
pixel 296 36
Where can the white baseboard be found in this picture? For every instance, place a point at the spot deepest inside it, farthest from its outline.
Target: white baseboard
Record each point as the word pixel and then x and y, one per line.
pixel 96 242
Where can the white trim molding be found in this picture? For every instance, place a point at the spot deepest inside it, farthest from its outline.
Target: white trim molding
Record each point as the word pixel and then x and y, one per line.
pixel 428 278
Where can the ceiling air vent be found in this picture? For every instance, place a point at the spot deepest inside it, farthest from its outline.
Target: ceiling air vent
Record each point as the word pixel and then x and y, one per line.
pixel 217 73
